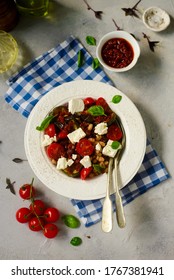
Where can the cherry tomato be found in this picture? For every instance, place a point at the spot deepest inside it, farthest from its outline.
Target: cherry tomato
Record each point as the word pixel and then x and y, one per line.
pixel 89 101
pixel 23 215
pixel 114 133
pixel 36 224
pixel 27 191
pixel 55 151
pixel 37 207
pixel 62 134
pixel 84 147
pixel 51 215
pixel 50 130
pixel 85 172
pixel 102 102
pixel 50 230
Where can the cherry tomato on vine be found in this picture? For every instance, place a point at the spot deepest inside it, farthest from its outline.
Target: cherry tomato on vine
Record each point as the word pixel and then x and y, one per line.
pixel 55 151
pixel 50 230
pixel 84 147
pixel 37 207
pixel 51 215
pixel 36 224
pixel 23 215
pixel 85 172
pixel 27 191
pixel 50 130
pixel 89 101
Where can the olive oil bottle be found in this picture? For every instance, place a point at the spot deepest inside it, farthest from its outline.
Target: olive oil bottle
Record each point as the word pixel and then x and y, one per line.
pixel 33 7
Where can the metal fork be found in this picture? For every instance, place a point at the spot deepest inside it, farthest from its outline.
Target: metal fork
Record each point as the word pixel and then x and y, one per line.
pixel 118 200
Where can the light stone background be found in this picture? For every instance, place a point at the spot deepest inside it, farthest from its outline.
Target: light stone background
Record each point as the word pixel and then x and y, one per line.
pixel 149 233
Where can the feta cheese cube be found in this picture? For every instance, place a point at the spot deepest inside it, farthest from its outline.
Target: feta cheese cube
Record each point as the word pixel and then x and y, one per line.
pixel 108 150
pixel 76 105
pixel 101 128
pixel 62 163
pixel 48 140
pixel 74 156
pixel 70 162
pixel 86 161
pixel 98 147
pixel 76 135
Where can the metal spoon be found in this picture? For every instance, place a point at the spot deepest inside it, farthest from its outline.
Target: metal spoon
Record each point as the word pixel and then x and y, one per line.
pixel 118 200
pixel 107 204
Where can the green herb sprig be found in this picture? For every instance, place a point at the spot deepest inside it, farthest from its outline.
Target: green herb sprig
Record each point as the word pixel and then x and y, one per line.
pixel 90 40
pixel 80 58
pixel 76 241
pixel 45 123
pixel 115 145
pixel 116 99
pixel 95 63
pixel 71 221
pixel 97 168
pixel 96 111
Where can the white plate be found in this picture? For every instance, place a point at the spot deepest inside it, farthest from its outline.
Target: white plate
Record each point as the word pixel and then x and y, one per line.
pixel 75 187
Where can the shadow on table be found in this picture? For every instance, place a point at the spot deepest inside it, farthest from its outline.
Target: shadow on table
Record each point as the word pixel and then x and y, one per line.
pixel 152 129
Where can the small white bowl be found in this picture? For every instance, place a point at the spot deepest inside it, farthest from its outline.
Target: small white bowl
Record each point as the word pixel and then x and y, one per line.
pixel 156 19
pixel 123 35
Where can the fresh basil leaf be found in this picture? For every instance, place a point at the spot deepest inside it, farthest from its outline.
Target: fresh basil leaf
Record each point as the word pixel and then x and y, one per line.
pixel 45 123
pixel 90 40
pixel 116 99
pixel 80 56
pixel 95 63
pixel 98 168
pixel 76 241
pixel 96 110
pixel 71 221
pixel 115 145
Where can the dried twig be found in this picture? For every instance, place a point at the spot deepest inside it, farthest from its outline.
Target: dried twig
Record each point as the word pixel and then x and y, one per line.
pixel 152 44
pixel 132 11
pixel 98 14
pixel 10 185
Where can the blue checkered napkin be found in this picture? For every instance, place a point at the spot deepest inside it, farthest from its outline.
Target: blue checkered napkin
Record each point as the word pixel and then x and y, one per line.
pixel 151 173
pixel 53 68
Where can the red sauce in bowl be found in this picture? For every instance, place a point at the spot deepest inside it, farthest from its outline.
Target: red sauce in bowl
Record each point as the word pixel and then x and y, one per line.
pixel 117 53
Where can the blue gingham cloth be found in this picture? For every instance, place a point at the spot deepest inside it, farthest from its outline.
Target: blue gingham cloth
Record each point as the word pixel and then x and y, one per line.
pixel 53 68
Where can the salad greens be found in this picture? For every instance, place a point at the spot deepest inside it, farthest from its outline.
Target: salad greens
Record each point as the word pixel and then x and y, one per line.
pixel 45 123
pixel 96 110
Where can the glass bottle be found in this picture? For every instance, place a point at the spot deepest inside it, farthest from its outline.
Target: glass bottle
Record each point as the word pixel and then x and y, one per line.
pixel 33 7
pixel 8 15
